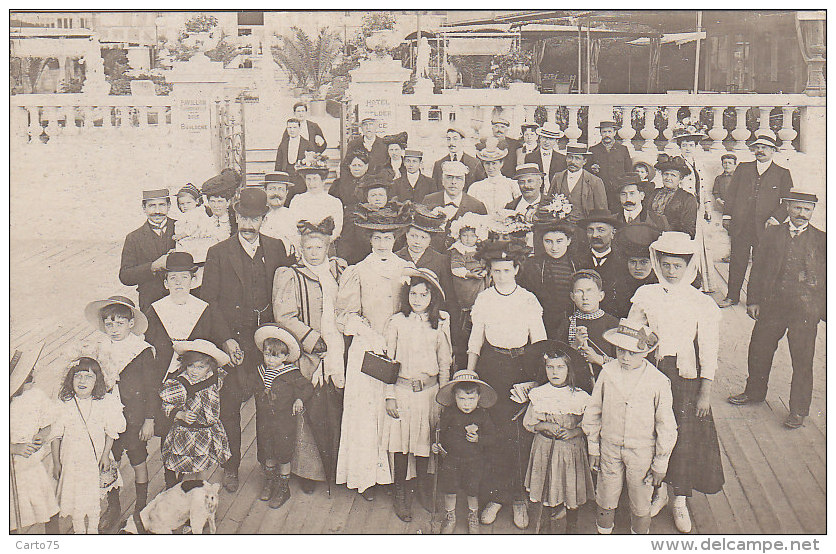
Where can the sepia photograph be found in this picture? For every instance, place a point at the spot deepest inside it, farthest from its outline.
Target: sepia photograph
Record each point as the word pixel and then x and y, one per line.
pixel 418 272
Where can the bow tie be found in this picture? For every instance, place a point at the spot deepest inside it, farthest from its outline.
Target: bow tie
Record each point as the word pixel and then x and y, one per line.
pixel 795 232
pixel 448 204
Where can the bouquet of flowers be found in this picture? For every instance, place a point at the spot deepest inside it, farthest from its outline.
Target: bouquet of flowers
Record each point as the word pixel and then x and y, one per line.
pixel 507 223
pixel 558 207
pixel 689 127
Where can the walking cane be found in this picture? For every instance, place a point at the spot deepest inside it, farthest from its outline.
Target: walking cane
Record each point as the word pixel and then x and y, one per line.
pixel 15 498
pixel 435 524
pixel 542 503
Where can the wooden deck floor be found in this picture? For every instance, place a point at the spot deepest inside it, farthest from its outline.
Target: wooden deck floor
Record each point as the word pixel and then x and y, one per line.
pixel 775 478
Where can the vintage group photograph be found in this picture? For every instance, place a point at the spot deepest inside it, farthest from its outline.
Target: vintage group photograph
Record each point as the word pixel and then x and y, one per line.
pixel 417 272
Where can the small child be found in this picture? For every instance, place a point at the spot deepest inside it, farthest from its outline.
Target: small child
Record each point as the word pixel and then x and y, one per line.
pixel 466 436
pixel 282 398
pixel 722 181
pixel 630 427
pixel 194 231
pixel 133 376
pixel 88 420
pixel 558 470
pixel 31 415
pixel 419 338
pixel 192 401
pixel 469 272
pixel 584 327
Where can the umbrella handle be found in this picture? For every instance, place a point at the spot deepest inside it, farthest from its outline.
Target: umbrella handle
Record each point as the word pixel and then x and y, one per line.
pixel 15 498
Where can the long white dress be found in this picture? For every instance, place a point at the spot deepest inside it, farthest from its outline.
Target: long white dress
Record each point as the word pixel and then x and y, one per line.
pixel 369 294
pixel 30 412
pixel 78 488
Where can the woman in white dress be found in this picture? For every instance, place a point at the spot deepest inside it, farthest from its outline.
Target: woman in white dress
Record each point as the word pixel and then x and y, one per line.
pixel 369 294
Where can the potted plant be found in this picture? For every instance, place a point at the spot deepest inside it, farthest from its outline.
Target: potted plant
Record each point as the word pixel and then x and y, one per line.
pixel 309 63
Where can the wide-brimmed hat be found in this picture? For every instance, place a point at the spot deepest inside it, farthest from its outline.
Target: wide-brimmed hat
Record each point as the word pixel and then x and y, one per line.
pixel 155 194
pixel 426 274
pixel 801 196
pixel 392 217
pixel 400 138
pixel 607 125
pixel 277 177
pixel 180 261
pixel 767 139
pixel 23 367
pixel 665 162
pixel 675 242
pixel 535 353
pixel 690 132
pixel 471 220
pixel 92 310
pixel 487 396
pixel 651 171
pixel 273 331
pixel 428 220
pixel 456 169
pixel 379 180
pixel 368 118
pixel 222 184
pixel 545 221
pixel 578 148
pixel 635 239
pixel 491 152
pixel 204 347
pixel 312 163
pixel 528 169
pixel 600 216
pixel 633 336
pixel 325 227
pixel 512 249
pixel 252 202
pixel 500 120
pixel 550 130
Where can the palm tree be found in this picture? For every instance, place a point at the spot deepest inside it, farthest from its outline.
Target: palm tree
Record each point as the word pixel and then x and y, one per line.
pixel 309 63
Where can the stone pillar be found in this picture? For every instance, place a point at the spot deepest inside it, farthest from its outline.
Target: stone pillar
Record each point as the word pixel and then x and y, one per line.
pixel 811 31
pixel 376 88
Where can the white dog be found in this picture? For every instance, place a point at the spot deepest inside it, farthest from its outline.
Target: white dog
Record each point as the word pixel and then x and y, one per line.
pixel 191 501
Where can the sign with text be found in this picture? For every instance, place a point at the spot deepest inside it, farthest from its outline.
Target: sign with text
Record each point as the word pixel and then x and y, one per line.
pixel 193 115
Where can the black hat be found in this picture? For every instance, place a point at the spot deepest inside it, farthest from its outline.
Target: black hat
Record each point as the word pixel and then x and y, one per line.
pixel 252 202
pixel 277 177
pixel 426 220
pixel 635 239
pixel 513 249
pixel 378 180
pixel 626 179
pixel 801 196
pixel 665 162
pixel 399 138
pixel 392 217
pixel 180 261
pixel 223 184
pixel 600 216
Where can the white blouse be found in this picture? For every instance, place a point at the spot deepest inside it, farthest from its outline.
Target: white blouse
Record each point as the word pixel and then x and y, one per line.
pixel 506 321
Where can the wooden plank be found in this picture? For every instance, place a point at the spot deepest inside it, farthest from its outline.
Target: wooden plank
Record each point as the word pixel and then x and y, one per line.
pixel 701 516
pixel 341 505
pixel 301 507
pixel 361 510
pixel 734 494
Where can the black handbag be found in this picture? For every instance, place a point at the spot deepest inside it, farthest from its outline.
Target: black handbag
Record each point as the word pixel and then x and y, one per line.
pixel 380 367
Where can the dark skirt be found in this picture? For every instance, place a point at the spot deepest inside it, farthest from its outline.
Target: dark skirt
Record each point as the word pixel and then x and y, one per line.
pixel 695 463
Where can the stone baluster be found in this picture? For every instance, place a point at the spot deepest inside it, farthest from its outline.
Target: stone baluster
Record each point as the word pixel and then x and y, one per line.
pixel 142 116
pixel 763 120
pixel 717 132
pixel 107 118
pixel 34 124
pixel 649 131
pixel 51 113
pixel 740 133
pixel 627 132
pixel 787 134
pixel 528 115
pixel 673 119
pixel 573 131
pixel 484 129
pixel 694 112
pixel 68 115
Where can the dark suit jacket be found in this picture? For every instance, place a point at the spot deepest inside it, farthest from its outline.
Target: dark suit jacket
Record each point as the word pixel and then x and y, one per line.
pixel 610 271
pixel 475 170
pixel 314 130
pixel 509 162
pixel 423 187
pixel 142 247
pixel 769 260
pixel 558 162
pixel 646 216
pixel 281 154
pixel 588 195
pixel 223 287
pixel 681 211
pixel 611 164
pixel 741 203
pixel 468 204
pixel 378 156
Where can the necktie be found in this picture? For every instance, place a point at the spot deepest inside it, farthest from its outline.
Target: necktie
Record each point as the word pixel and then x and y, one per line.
pixel 450 204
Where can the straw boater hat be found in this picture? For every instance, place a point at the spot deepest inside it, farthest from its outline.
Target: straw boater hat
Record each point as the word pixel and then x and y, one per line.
pixel 550 130
pixel 428 220
pixel 92 310
pixel 203 346
pixel 528 169
pixel 21 369
pixel 529 125
pixel 766 139
pixel 273 331
pixel 456 129
pixel 599 216
pixel 393 217
pixel 651 171
pixel 401 139
pixel 577 148
pixel 426 274
pixel 252 202
pixel 636 239
pixel 222 184
pixel 633 336
pixel 798 195
pixel 500 120
pixel 487 396
pixel 180 261
pixel 665 162
pixel 491 152
pixel 607 125
pixel 277 177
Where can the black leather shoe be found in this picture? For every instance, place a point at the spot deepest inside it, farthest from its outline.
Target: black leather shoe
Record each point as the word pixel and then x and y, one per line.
pixel 742 399
pixel 308 486
pixel 230 480
pixel 794 421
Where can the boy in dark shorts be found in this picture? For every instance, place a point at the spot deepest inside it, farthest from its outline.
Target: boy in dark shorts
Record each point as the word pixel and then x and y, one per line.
pixel 467 433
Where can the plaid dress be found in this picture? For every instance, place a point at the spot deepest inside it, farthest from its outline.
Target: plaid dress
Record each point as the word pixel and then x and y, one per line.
pixel 189 448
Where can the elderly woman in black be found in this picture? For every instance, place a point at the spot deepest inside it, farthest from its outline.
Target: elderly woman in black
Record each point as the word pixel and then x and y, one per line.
pixel 671 200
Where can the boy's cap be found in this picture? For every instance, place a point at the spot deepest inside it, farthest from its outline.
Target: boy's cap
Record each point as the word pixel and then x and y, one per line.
pixel 413 153
pixel 633 336
pixel 154 194
pixel 487 396
pixel 587 274
pixel 204 347
pixel 273 331
pixel 92 310
pixel 728 157
pixel 801 196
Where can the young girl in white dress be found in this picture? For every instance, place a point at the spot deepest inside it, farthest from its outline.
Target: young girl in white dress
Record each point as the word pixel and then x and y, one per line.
pixel 194 231
pixel 419 338
pixel 87 421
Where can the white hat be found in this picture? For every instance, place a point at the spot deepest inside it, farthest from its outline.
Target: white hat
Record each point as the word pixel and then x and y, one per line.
pixel 633 336
pixel 204 347
pixel 674 242
pixel 273 331
pixel 456 169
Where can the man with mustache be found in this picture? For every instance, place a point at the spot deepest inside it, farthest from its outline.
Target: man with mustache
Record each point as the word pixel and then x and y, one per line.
pixel 632 212
pixel 278 223
pixel 238 284
pixel 499 128
pixel 609 160
pixel 753 201
pixel 600 226
pixel 787 296
pixel 145 249
pixel 452 200
pixel 455 147
pixel 583 189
